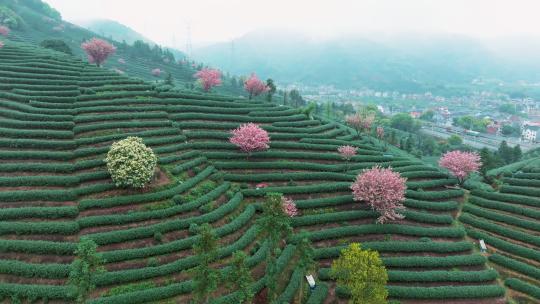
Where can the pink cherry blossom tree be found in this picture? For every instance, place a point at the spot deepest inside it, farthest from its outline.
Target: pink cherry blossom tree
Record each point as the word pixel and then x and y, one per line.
pixel 289 207
pixel 4 30
pixel 254 86
pixel 249 138
pixel 261 185
pixel 355 121
pixel 208 78
pixel 347 152
pixel 98 50
pixel 383 189
pixel 460 164
pixel 359 122
pixel 156 72
pixel 367 121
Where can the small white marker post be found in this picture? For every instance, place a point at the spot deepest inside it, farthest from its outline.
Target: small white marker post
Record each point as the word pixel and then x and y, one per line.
pixel 483 247
pixel 311 282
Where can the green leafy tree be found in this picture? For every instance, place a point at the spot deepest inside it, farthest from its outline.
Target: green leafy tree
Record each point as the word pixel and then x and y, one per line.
pixel 429 146
pixel 486 158
pixel 83 269
pixel 309 109
pixel 489 160
pixel 392 139
pixel 363 273
pixel 404 121
pixel 205 278
pixel 306 259
pixel 508 108
pixel 240 279
pixel 455 140
pixel 271 89
pixel 427 115
pixel 517 153
pixel 169 79
pixel 328 110
pixel 57 45
pixel 131 163
pixel 506 152
pixel 409 144
pixel 274 226
pixel 296 98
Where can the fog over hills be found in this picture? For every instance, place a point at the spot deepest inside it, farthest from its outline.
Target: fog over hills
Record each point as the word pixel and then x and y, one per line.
pixel 114 30
pixel 405 62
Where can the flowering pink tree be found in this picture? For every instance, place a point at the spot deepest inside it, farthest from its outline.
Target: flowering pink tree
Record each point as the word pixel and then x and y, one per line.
pixel 347 152
pixel 208 78
pixel 156 72
pixel 383 189
pixel 261 185
pixel 254 86
pixel 367 121
pixel 355 121
pixel 289 207
pixel 98 50
pixel 4 30
pixel 360 122
pixel 460 164
pixel 250 137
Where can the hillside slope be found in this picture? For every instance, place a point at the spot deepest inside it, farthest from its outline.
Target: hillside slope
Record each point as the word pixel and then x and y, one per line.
pixel 508 222
pixel 114 30
pixel 37 23
pixel 55 189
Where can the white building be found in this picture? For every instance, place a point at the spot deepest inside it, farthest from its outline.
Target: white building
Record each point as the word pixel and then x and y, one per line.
pixel 530 131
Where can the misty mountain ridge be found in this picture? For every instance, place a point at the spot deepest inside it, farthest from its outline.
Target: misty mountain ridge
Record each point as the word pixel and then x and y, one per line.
pixel 114 30
pixel 407 62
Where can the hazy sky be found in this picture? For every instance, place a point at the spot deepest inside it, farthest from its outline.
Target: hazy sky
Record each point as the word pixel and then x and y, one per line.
pixel 222 20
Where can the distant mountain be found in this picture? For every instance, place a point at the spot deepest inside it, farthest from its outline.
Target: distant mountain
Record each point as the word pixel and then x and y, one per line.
pixel 114 30
pixel 407 62
pixel 35 21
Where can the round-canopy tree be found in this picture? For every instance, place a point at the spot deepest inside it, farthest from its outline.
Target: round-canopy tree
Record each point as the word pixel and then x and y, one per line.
pixel 289 206
pixel 383 189
pixel 363 273
pixel 347 152
pixel 250 137
pixel 98 50
pixel 57 45
pixel 208 78
pixel 131 163
pixel 460 164
pixel 156 72
pixel 254 86
pixel 4 30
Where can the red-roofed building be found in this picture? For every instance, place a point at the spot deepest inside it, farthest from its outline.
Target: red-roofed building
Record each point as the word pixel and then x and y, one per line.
pixel 493 128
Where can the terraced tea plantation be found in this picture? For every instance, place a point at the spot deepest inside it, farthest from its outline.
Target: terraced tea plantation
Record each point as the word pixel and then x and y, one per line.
pixel 508 221
pixel 59 116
